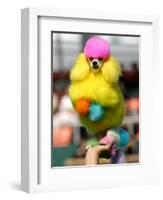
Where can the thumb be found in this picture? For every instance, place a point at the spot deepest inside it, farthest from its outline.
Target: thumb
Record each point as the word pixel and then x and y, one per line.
pixel 103 147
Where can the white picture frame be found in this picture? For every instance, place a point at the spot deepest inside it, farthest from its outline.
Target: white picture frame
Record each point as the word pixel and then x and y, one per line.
pixel 36 171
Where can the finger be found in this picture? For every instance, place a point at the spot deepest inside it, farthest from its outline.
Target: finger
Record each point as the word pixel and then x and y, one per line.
pixel 87 147
pixel 103 147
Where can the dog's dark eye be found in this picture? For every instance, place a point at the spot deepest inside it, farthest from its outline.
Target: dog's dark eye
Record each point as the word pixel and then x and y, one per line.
pixel 91 58
pixel 100 59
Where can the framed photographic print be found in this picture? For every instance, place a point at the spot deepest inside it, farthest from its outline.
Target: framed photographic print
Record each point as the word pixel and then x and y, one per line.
pixel 88 119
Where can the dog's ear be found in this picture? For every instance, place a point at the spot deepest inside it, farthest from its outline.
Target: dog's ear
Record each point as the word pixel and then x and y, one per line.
pixel 81 68
pixel 111 70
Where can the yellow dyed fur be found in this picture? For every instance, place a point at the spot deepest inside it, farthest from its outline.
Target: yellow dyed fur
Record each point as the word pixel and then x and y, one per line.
pixel 102 88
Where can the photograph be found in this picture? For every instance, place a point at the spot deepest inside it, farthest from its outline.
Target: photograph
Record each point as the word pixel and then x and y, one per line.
pixel 94 98
pixel 90 107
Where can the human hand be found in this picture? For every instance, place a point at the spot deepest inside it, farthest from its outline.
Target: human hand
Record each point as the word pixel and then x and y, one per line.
pixel 92 154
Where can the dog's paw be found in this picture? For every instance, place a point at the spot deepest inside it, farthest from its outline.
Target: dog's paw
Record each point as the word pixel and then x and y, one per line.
pixel 95 112
pixel 107 140
pixel 82 106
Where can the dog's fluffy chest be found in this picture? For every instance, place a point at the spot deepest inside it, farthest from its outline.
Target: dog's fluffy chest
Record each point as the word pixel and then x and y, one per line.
pixel 95 88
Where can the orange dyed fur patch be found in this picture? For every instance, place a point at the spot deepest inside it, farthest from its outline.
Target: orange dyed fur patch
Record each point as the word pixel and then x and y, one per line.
pixel 82 106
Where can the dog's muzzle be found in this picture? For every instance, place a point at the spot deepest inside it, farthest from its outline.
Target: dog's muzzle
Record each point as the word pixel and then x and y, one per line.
pixel 95 64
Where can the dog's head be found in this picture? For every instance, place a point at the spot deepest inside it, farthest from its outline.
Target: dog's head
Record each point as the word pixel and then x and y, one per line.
pixel 95 63
pixel 96 58
pixel 97 51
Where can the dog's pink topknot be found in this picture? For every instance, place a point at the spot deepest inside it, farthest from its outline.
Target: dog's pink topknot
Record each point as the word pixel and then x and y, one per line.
pixel 97 47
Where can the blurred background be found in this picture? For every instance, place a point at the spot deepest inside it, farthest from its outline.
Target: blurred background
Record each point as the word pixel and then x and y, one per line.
pixel 69 138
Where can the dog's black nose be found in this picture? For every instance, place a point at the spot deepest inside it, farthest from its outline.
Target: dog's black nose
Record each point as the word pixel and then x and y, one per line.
pixel 94 63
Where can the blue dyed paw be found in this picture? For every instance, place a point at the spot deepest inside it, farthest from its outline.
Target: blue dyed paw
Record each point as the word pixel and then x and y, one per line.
pixel 95 112
pixel 124 137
